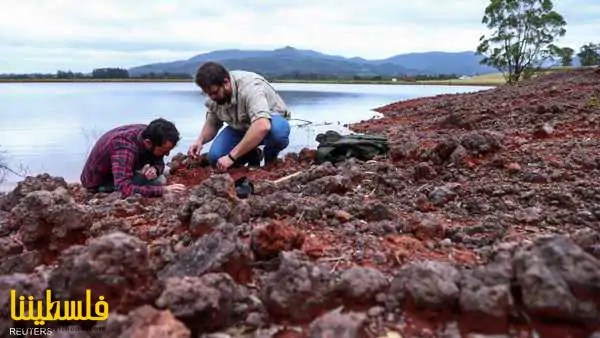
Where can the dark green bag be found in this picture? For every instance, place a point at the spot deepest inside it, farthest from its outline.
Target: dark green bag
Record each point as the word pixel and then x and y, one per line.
pixel 334 147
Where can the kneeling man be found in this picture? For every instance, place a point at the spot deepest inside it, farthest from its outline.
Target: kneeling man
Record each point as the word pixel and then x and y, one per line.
pixel 254 112
pixel 130 159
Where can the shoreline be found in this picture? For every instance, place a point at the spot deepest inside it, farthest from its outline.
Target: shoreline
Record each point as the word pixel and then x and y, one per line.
pixel 453 82
pixel 7 187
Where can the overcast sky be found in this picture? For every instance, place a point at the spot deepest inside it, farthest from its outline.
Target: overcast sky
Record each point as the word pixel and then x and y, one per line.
pixel 48 35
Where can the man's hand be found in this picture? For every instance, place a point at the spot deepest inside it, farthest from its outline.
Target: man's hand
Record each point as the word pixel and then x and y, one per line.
pixel 175 188
pixel 195 149
pixel 224 163
pixel 149 172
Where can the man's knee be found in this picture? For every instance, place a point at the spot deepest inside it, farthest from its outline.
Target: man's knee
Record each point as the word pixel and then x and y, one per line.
pixel 214 154
pixel 213 157
pixel 280 132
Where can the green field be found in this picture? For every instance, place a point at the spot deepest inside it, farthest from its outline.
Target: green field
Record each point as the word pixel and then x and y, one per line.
pixel 493 79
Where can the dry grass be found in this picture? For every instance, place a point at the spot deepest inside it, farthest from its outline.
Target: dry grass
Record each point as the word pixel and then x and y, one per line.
pixel 493 79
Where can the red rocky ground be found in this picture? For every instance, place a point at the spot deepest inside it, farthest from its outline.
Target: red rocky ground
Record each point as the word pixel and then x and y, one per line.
pixel 483 220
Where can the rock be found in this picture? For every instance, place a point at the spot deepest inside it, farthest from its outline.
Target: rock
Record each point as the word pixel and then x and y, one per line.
pixel 337 184
pixel 202 223
pixel 8 247
pixel 534 177
pixel 442 195
pixel 51 220
pixel 115 266
pixel 481 142
pixel 486 299
pixel 427 284
pixel 142 322
pixel 205 304
pixel 215 195
pixel 335 324
pixel 109 225
pixel 6 225
pixel 529 215
pixel 513 167
pixel 299 290
pixel 360 285
pixel 543 131
pixel 129 206
pixel 403 149
pixel 588 240
pixel 459 155
pixel 376 211
pixel 161 252
pixel 445 148
pixel 375 311
pixel 20 263
pixel 31 184
pixel 342 216
pixel 219 251
pixel 313 174
pixel 423 171
pixel 559 280
pixel 268 241
pixel 426 226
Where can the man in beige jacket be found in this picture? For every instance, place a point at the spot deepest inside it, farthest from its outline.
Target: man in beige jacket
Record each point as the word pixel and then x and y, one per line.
pixel 254 112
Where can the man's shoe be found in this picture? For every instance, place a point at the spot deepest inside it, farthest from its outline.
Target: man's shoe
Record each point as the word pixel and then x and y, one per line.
pixel 256 158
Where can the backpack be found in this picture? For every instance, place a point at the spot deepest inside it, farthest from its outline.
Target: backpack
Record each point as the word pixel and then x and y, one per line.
pixel 334 147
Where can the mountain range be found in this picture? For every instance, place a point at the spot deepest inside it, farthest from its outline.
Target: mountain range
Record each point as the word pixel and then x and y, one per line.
pixel 292 62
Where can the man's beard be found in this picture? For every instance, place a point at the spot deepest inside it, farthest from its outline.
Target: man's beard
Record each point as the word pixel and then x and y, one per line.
pixel 226 99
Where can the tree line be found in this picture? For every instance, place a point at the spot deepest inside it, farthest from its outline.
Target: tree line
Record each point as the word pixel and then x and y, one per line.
pixel 523 39
pixel 98 73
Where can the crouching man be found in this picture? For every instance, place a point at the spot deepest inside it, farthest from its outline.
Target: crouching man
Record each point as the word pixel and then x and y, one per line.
pixel 254 112
pixel 129 159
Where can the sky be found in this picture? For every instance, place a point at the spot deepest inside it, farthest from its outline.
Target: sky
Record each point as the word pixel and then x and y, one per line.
pixel 49 35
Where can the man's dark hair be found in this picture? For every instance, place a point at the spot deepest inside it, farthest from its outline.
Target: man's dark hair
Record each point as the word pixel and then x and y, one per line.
pixel 211 73
pixel 160 131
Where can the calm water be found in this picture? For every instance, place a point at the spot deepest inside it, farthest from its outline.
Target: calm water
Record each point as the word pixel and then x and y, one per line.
pixel 50 127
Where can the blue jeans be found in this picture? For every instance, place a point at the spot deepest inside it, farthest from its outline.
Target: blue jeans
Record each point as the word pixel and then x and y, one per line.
pixel 276 140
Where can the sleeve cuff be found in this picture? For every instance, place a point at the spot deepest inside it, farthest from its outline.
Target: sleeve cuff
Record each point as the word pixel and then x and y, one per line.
pixel 259 115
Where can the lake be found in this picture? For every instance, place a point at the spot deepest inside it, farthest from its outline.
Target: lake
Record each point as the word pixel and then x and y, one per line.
pixel 50 127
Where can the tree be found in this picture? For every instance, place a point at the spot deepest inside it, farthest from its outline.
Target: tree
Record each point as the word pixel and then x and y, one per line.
pixel 589 54
pixel 523 33
pixel 110 73
pixel 565 54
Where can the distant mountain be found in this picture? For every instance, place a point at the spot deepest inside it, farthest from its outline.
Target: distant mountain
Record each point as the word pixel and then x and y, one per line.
pixel 292 62
pixel 461 63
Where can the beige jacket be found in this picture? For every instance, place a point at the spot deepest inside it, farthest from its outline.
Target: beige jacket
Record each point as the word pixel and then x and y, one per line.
pixel 252 98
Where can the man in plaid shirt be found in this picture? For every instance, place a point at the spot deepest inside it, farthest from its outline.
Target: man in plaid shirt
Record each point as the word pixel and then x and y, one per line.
pixel 130 159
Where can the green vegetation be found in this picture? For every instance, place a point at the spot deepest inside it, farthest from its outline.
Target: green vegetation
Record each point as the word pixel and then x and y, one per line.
pixel 494 79
pixel 589 54
pixel 523 32
pixel 564 54
pixel 97 75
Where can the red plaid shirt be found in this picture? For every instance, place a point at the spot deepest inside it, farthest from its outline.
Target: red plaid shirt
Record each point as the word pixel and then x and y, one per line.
pixel 115 158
